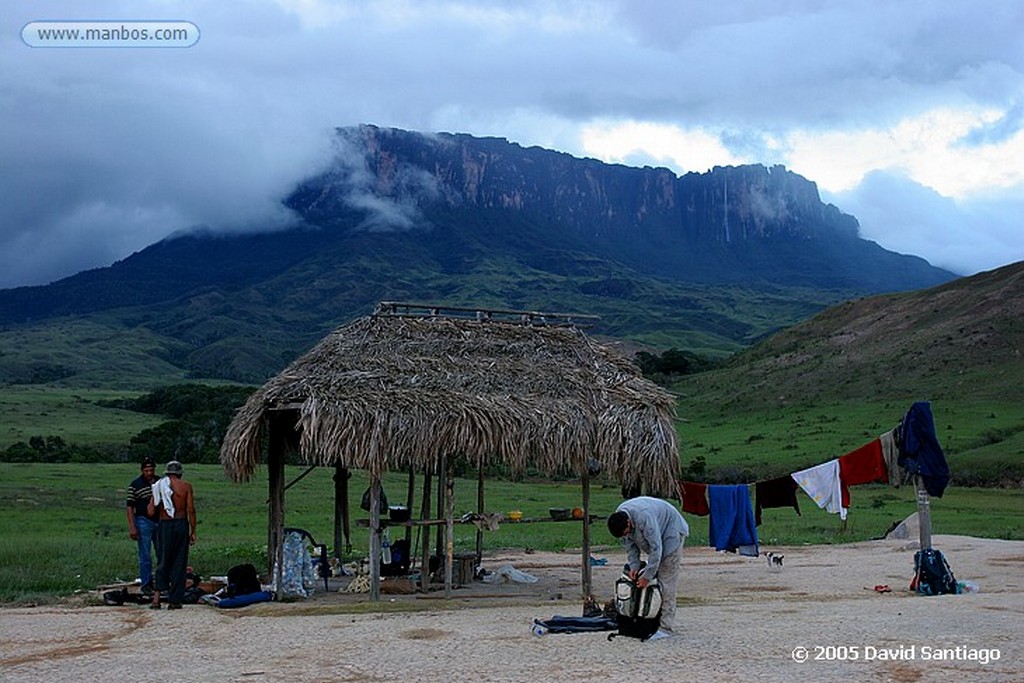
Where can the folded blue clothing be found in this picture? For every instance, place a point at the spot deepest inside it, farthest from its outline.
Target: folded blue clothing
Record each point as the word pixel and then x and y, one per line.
pixel 243 600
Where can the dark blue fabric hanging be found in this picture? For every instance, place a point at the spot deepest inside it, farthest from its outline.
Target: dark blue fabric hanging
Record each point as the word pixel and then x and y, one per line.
pixel 920 452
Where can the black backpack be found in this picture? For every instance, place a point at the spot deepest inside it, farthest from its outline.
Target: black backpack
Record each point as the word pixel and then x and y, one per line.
pixel 399 565
pixel 932 574
pixel 243 580
pixel 637 610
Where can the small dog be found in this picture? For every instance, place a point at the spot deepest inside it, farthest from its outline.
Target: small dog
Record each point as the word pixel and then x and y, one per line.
pixel 774 560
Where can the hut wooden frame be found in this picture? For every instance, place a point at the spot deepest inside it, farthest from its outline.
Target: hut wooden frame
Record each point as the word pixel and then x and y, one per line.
pixel 410 386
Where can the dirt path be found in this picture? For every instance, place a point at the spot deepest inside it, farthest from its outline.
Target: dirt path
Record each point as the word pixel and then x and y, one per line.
pixel 738 620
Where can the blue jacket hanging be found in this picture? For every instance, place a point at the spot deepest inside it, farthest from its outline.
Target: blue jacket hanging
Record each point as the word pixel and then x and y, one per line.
pixel 920 452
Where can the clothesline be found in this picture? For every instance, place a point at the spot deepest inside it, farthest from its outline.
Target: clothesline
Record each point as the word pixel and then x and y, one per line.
pixel 912 446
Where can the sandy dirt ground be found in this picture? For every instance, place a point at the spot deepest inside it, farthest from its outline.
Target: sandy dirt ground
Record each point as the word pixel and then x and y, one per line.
pixel 818 619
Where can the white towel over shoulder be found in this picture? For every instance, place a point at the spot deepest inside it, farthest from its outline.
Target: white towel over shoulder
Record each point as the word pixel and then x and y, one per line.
pixel 162 495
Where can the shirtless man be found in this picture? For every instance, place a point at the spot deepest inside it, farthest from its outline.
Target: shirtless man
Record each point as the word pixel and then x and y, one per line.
pixel 174 499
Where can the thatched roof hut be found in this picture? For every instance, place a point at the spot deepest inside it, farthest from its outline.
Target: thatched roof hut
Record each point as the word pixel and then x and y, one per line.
pixel 398 391
pixel 388 392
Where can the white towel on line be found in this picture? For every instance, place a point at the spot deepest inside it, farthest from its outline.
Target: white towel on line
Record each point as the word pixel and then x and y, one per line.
pixel 822 484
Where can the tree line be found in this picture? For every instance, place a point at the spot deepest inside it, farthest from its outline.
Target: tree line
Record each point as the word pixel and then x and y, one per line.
pixel 199 417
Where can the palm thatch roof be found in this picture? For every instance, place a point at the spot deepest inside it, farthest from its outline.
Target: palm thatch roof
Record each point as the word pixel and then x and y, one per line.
pixel 388 392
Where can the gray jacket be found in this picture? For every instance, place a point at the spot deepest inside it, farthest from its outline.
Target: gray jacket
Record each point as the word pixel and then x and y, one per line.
pixel 658 529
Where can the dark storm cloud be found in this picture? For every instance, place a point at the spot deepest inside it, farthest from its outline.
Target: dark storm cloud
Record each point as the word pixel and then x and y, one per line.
pixel 109 150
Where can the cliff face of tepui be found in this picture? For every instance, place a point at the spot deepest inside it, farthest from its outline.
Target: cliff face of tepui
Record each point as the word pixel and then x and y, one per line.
pixel 706 261
pixel 731 224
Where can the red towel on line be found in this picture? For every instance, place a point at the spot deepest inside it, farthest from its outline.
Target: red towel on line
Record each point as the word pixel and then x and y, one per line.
pixel 695 498
pixel 862 466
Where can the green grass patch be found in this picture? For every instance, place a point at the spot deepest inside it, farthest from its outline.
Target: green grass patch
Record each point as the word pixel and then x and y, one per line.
pixel 983 440
pixel 98 351
pixel 74 415
pixel 64 528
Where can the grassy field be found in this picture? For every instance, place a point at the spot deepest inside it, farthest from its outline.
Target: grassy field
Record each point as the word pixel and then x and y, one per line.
pixel 94 351
pixel 982 440
pixel 72 414
pixel 63 527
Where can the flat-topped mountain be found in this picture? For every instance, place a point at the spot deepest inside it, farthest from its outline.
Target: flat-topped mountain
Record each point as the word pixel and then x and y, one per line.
pixel 705 261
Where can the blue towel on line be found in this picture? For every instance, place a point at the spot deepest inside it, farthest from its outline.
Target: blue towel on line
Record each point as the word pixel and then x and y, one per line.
pixel 732 524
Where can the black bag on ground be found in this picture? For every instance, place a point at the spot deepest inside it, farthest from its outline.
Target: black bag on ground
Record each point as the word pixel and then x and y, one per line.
pixel 192 590
pixel 559 624
pixel 115 598
pixel 243 580
pixel 399 565
pixel 192 595
pixel 122 596
pixel 638 610
pixel 932 574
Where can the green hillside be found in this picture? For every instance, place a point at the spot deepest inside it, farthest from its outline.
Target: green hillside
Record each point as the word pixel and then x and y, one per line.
pixel 823 387
pixel 248 334
pixel 810 392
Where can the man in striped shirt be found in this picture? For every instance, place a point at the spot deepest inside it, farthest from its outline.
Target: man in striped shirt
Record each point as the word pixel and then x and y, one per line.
pixel 141 525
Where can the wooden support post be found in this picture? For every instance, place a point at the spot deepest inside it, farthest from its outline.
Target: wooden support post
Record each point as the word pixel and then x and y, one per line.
pixel 424 533
pixel 924 514
pixel 449 528
pixel 480 510
pixel 374 537
pixel 275 473
pixel 442 468
pixel 279 563
pixel 587 572
pixel 409 496
pixel 341 518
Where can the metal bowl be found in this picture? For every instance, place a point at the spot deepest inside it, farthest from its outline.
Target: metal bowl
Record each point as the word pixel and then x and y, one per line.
pixel 560 513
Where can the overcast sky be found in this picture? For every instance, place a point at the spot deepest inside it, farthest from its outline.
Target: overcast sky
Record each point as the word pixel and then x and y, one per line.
pixel 908 115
